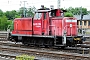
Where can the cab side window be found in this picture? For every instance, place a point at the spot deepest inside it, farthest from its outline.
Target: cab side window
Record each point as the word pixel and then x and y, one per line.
pixel 37 16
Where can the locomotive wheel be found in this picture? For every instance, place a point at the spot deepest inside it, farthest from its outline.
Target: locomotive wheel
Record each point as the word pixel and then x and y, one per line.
pixel 41 43
pixel 69 43
pixel 50 43
pixel 24 41
pixel 32 42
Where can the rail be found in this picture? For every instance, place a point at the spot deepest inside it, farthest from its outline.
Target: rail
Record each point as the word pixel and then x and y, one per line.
pixel 42 53
pixel 3 35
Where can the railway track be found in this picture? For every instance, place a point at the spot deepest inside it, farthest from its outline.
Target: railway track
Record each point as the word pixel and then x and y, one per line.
pixel 62 54
pixel 67 49
pixel 43 52
pixel 87 42
pixel 3 35
pixel 12 47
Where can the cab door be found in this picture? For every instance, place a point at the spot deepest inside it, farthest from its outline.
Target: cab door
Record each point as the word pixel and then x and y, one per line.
pixel 37 24
pixel 45 23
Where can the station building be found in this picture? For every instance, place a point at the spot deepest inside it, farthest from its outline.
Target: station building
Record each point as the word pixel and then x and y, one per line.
pixel 85 23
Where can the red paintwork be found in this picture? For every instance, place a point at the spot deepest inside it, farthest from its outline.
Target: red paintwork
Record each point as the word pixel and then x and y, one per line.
pixel 66 26
pixel 22 32
pixel 57 25
pixel 27 24
pixel 58 12
pixel 41 25
pixel 37 27
pixel 22 26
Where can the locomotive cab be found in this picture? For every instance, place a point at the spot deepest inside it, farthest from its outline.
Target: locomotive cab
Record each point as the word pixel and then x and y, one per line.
pixel 40 22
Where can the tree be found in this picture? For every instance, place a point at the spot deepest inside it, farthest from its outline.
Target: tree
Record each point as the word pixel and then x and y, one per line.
pixel 11 14
pixel 1 13
pixel 3 23
pixel 10 24
pixel 67 14
pixel 77 10
pixel 21 11
pixel 30 11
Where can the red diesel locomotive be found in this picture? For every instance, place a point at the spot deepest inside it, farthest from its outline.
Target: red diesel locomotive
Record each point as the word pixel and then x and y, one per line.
pixel 47 28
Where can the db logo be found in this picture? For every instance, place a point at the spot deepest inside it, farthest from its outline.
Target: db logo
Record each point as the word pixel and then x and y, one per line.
pixel 36 23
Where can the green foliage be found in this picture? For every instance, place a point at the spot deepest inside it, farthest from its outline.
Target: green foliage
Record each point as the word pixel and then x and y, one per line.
pixel 77 10
pixel 21 10
pixel 25 57
pixel 3 23
pixel 11 14
pixel 17 16
pixel 29 12
pixel 6 18
pixel 88 12
pixel 10 25
pixel 1 13
pixel 67 14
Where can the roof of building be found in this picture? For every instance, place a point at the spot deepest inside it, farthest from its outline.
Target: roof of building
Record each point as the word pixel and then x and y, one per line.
pixel 85 17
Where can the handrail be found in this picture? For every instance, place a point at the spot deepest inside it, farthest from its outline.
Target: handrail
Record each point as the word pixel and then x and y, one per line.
pixel 54 33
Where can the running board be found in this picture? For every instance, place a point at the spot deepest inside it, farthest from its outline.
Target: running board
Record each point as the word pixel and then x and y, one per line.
pixel 59 45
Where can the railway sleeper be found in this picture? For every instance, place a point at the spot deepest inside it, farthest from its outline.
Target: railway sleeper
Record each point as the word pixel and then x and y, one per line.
pixel 83 51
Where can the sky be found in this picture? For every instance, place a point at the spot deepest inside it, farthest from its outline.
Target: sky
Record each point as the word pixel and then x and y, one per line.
pixel 8 5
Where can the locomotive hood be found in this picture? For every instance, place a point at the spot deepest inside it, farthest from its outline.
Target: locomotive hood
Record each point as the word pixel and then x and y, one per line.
pixel 22 18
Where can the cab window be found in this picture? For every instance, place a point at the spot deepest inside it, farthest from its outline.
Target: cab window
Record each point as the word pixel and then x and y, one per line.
pixel 37 16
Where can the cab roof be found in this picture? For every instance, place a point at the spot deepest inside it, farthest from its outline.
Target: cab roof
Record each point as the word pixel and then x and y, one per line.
pixel 47 10
pixel 39 11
